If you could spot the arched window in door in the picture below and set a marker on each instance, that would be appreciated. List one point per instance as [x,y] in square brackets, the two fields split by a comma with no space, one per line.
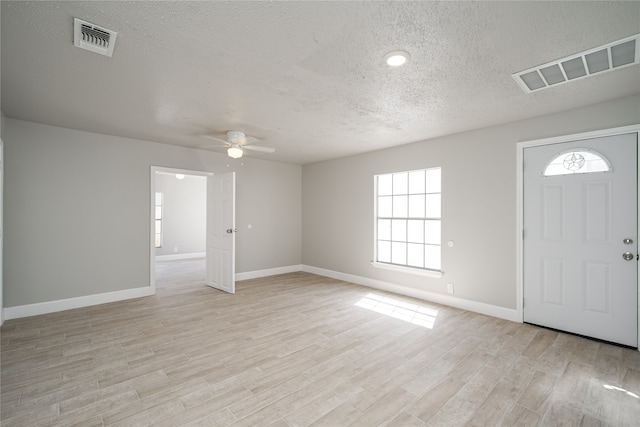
[579,160]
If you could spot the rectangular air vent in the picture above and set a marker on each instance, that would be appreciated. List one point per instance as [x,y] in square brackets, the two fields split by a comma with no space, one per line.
[91,37]
[609,57]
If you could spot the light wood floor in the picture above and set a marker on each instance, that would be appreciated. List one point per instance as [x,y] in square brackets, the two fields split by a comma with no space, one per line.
[298,350]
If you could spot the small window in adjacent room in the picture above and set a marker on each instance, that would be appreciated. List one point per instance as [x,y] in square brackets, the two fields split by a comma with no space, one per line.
[577,161]
[158,219]
[408,218]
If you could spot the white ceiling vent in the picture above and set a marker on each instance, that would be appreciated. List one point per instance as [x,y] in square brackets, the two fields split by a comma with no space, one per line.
[91,37]
[601,59]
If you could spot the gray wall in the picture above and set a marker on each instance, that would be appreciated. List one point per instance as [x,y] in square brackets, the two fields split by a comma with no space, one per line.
[77,207]
[184,222]
[77,211]
[478,208]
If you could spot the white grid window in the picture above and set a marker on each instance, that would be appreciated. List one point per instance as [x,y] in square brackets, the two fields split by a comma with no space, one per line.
[408,219]
[158,219]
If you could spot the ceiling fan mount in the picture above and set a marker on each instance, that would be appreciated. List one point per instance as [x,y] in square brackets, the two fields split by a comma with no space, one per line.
[236,142]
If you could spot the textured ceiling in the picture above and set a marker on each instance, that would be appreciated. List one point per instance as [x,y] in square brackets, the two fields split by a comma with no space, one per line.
[307,78]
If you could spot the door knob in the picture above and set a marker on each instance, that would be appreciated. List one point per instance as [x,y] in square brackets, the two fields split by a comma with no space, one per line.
[627,241]
[628,256]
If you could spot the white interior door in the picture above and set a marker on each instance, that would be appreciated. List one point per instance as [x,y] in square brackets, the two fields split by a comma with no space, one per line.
[221,229]
[577,228]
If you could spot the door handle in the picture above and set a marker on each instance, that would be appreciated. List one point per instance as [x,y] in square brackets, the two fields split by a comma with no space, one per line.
[628,256]
[232,230]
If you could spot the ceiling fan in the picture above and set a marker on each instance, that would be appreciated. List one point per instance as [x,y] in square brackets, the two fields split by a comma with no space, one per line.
[236,143]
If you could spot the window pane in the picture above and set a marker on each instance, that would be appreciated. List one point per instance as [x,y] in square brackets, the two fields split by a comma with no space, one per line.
[415,255]
[432,232]
[158,212]
[432,257]
[555,169]
[433,180]
[400,183]
[415,231]
[400,206]
[384,229]
[595,166]
[384,206]
[158,241]
[433,206]
[158,226]
[399,253]
[416,182]
[577,161]
[399,230]
[158,199]
[384,251]
[385,185]
[416,206]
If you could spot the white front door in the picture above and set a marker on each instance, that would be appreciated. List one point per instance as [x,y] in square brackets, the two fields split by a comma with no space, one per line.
[577,229]
[221,232]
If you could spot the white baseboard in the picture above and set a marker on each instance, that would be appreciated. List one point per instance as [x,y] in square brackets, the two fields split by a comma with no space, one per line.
[477,307]
[78,302]
[180,256]
[268,272]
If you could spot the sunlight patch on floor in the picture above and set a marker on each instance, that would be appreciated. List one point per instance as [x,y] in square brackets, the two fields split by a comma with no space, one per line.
[612,387]
[402,310]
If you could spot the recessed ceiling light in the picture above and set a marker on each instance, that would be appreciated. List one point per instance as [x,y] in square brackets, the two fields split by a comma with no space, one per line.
[396,58]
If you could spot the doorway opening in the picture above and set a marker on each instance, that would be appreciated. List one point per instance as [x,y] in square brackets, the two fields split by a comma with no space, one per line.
[218,208]
[179,220]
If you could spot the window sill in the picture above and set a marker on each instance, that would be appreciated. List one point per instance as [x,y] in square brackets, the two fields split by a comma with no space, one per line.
[417,271]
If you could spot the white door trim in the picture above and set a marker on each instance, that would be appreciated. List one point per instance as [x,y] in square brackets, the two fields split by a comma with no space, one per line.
[520,146]
[152,202]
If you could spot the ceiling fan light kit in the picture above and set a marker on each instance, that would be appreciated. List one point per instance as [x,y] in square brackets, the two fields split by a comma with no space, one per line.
[234,152]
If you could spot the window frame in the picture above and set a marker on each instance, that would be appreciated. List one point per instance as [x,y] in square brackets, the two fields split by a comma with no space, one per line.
[406,267]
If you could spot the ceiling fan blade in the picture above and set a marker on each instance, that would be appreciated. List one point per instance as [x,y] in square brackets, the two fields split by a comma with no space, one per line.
[210,147]
[259,148]
[215,138]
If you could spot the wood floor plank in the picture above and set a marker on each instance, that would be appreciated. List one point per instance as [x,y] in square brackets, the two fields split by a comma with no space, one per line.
[522,417]
[388,406]
[496,406]
[538,392]
[321,404]
[297,350]
[435,398]
[343,414]
[461,407]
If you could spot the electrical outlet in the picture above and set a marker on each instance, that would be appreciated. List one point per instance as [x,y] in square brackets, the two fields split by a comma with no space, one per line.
[450,288]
